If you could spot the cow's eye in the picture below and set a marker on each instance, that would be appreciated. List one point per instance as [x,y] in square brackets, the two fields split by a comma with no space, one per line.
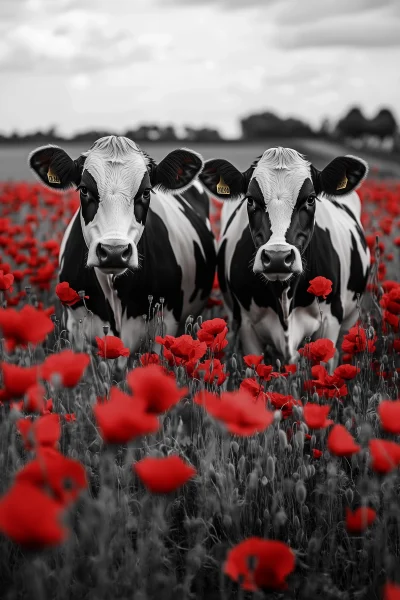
[84,191]
[146,195]
[251,203]
[311,200]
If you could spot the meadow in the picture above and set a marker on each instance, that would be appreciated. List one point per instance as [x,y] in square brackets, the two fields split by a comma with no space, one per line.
[196,473]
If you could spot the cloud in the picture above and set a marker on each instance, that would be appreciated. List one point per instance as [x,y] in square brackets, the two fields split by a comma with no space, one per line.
[74,40]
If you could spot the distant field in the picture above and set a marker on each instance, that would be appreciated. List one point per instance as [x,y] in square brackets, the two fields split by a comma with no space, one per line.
[14,166]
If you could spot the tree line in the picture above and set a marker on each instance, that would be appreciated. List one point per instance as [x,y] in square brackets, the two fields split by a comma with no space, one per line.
[353,125]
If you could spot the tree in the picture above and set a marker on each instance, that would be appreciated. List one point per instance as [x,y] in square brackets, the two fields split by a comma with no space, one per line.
[354,124]
[384,124]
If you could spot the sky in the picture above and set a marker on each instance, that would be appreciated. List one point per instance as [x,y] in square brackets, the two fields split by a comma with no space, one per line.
[113,64]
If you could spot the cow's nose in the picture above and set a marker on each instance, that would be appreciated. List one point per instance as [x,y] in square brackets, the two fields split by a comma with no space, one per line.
[278,261]
[113,256]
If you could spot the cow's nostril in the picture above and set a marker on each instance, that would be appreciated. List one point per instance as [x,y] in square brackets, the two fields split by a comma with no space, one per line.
[127,253]
[102,253]
[289,258]
[266,259]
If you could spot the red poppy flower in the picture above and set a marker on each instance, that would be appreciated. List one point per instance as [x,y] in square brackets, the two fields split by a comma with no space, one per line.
[283,402]
[389,413]
[111,346]
[183,349]
[290,368]
[158,389]
[44,431]
[355,341]
[253,360]
[341,442]
[44,276]
[123,418]
[65,477]
[68,365]
[34,398]
[70,417]
[346,371]
[149,358]
[211,371]
[273,562]
[359,520]
[317,453]
[163,475]
[67,295]
[29,517]
[6,281]
[320,286]
[391,591]
[321,350]
[264,371]
[253,387]
[385,455]
[315,416]
[391,300]
[238,411]
[17,380]
[28,325]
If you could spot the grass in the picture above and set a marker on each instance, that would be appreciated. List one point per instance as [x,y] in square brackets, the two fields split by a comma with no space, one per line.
[128,543]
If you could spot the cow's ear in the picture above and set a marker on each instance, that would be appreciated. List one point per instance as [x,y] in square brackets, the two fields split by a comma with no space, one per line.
[223,180]
[55,168]
[343,175]
[176,171]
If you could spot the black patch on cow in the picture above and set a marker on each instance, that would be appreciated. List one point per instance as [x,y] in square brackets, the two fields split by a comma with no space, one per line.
[320,258]
[89,197]
[199,201]
[79,277]
[141,201]
[301,226]
[357,279]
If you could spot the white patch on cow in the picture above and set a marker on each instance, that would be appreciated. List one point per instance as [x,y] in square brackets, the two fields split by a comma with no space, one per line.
[117,165]
[82,326]
[280,173]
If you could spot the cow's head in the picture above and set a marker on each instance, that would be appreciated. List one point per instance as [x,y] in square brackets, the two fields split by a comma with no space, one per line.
[282,188]
[115,179]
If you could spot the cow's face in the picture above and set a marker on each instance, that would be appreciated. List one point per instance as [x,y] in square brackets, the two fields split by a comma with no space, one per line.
[115,180]
[281,190]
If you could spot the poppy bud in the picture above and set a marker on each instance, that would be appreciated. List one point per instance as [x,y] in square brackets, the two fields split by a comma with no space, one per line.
[242,465]
[231,470]
[301,492]
[235,447]
[270,468]
[234,362]
[253,481]
[280,518]
[349,495]
[264,480]
[282,439]
[296,522]
[278,416]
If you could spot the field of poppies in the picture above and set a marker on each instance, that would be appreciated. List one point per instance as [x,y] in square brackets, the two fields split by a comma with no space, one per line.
[198,472]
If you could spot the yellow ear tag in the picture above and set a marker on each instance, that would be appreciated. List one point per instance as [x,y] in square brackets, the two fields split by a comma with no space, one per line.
[52,177]
[222,188]
[342,184]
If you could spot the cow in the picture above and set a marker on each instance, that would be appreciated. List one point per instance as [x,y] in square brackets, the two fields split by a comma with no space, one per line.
[286,223]
[140,245]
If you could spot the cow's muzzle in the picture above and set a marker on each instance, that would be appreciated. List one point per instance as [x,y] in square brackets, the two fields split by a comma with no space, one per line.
[278,262]
[113,257]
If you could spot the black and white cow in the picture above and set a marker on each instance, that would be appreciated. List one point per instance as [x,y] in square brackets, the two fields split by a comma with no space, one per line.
[142,230]
[286,224]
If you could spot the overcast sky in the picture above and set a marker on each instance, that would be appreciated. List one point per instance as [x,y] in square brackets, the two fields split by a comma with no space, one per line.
[81,64]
